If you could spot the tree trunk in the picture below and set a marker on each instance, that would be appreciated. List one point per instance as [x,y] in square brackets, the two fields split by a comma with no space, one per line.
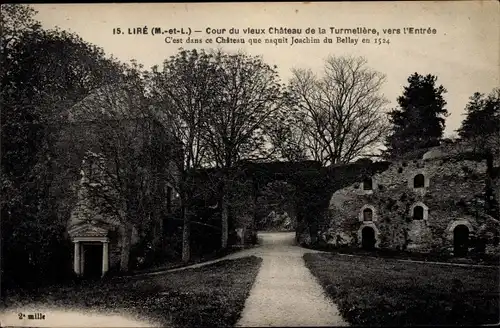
[126,246]
[225,220]
[406,239]
[491,203]
[186,233]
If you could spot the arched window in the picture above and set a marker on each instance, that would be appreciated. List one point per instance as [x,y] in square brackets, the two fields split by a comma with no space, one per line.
[418,213]
[367,184]
[419,181]
[367,214]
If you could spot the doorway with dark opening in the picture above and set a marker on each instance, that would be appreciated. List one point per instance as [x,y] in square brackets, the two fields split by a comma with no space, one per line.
[368,238]
[460,240]
[92,264]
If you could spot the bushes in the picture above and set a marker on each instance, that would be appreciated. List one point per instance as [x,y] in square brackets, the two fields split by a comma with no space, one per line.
[204,240]
[26,267]
[435,255]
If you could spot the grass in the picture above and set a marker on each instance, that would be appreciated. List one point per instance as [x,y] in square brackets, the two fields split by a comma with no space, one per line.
[386,292]
[213,295]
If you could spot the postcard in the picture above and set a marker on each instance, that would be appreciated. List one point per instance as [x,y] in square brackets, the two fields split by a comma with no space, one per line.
[250,164]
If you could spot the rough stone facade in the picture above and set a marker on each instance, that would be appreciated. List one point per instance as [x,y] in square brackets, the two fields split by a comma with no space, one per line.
[416,205]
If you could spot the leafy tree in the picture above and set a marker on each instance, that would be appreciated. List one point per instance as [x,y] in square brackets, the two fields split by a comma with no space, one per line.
[481,129]
[16,19]
[43,74]
[340,114]
[482,122]
[420,119]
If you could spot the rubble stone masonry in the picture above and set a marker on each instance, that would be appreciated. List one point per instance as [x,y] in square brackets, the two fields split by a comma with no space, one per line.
[419,219]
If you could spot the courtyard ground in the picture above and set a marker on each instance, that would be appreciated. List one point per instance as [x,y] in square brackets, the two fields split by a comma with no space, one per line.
[285,293]
[275,284]
[211,295]
[387,292]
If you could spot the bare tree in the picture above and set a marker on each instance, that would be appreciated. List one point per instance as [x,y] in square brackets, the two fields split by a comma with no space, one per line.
[342,111]
[182,94]
[288,138]
[248,99]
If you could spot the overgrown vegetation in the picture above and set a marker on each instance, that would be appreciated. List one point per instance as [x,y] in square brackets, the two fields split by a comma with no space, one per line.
[383,292]
[43,74]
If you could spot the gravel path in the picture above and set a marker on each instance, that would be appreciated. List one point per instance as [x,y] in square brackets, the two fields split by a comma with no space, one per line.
[285,293]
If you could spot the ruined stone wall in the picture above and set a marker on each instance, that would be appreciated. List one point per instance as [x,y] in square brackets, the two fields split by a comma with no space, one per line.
[451,196]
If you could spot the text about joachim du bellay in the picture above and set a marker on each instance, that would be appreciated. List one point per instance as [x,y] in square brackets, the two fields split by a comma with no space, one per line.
[275,35]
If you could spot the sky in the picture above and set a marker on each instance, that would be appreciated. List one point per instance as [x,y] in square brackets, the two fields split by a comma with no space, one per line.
[464,52]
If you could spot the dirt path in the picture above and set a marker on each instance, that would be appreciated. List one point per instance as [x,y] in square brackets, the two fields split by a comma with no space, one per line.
[285,293]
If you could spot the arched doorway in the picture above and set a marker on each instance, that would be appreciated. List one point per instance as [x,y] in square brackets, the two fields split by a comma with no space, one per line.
[368,238]
[460,240]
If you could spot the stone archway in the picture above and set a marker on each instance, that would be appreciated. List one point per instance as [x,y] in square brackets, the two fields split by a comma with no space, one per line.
[460,240]
[368,238]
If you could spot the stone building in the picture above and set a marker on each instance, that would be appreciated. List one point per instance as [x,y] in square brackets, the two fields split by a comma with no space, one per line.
[430,202]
